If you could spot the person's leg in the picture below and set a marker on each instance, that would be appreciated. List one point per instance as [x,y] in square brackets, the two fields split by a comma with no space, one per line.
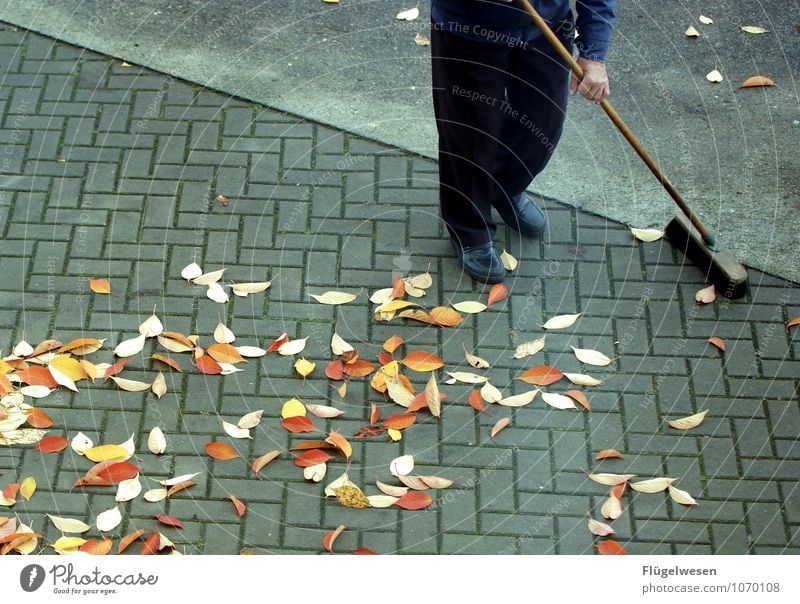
[469,79]
[538,94]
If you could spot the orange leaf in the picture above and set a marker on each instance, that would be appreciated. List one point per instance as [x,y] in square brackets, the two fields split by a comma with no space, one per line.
[115,369]
[579,397]
[718,342]
[128,539]
[793,323]
[475,401]
[498,292]
[298,423]
[363,551]
[5,385]
[118,471]
[311,458]
[608,454]
[446,316]
[225,353]
[335,370]
[541,375]
[304,445]
[399,288]
[150,546]
[100,286]
[400,422]
[609,547]
[96,548]
[205,364]
[168,520]
[414,500]
[219,450]
[51,444]
[39,419]
[180,486]
[375,415]
[10,492]
[359,368]
[330,538]
[263,460]
[167,361]
[240,507]
[420,360]
[392,344]
[384,358]
[618,490]
[757,81]
[37,376]
[81,346]
[340,442]
[500,425]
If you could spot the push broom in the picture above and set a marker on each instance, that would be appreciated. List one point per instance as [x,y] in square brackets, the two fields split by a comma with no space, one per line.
[685,232]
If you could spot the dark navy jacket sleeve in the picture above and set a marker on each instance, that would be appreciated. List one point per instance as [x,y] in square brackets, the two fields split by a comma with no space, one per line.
[594,22]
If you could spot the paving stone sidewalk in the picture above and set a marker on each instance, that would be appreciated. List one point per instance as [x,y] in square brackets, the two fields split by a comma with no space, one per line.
[111,171]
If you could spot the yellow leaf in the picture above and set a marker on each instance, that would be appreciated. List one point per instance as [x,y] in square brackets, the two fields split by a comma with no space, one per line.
[395,435]
[100,286]
[68,367]
[304,367]
[687,423]
[28,487]
[293,408]
[105,453]
[68,543]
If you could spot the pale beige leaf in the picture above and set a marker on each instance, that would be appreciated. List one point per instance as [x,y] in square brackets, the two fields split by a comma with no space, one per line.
[706,295]
[129,447]
[130,347]
[62,379]
[647,235]
[324,411]
[130,385]
[35,391]
[22,349]
[475,361]
[223,335]
[527,349]
[128,489]
[338,345]
[402,466]
[69,525]
[151,327]
[591,357]
[412,291]
[80,443]
[250,420]
[561,321]
[437,482]
[245,289]
[490,393]
[682,497]
[191,271]
[235,431]
[155,495]
[601,529]
[612,508]
[292,347]
[753,29]
[500,425]
[519,400]
[182,478]
[421,39]
[26,547]
[466,377]
[610,480]
[333,297]
[174,345]
[251,352]
[470,307]
[156,441]
[208,278]
[691,32]
[108,520]
[581,379]
[705,20]
[159,386]
[408,15]
[714,76]
[217,294]
[432,396]
[420,281]
[509,262]
[381,296]
[653,485]
[228,368]
[398,393]
[315,473]
[381,501]
[687,423]
[558,401]
[390,489]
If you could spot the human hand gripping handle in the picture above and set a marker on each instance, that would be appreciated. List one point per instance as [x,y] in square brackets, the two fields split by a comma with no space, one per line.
[593,86]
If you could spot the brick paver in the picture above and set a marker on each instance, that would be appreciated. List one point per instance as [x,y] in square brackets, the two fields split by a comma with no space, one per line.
[111,171]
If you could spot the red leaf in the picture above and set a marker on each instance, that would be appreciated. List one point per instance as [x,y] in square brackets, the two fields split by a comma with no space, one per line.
[280,341]
[150,546]
[298,423]
[168,520]
[39,419]
[37,376]
[375,415]
[359,368]
[51,444]
[476,401]
[115,369]
[205,364]
[363,551]
[398,289]
[414,500]
[498,292]
[401,421]
[609,547]
[311,458]
[118,471]
[335,370]
[222,451]
[241,508]
[384,358]
[329,539]
[541,375]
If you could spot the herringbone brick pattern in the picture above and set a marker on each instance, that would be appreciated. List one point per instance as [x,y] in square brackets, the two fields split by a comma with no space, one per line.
[112,171]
